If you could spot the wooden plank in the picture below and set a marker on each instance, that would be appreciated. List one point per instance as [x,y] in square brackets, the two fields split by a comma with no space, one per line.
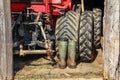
[111,39]
[2,41]
[6,65]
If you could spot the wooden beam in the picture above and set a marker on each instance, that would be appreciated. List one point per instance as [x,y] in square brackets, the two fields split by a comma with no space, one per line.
[6,59]
[111,48]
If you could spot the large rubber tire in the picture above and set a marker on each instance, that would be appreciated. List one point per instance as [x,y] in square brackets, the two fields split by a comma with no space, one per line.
[67,27]
[60,30]
[97,14]
[86,37]
[72,23]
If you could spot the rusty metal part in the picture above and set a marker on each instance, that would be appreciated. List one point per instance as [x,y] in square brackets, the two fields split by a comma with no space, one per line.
[46,44]
[82,4]
[50,50]
[24,52]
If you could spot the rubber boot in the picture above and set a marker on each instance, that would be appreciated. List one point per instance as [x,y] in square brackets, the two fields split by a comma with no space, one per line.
[62,50]
[71,54]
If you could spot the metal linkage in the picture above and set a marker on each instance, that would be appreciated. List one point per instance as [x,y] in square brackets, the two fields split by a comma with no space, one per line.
[49,52]
[46,44]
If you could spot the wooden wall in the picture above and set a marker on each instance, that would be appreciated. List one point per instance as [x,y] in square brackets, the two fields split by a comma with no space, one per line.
[6,65]
[111,50]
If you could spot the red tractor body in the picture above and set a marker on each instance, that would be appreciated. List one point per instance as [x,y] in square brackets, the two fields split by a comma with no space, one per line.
[34,23]
[44,6]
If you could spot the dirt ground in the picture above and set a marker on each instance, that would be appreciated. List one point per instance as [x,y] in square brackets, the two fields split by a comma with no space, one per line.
[37,67]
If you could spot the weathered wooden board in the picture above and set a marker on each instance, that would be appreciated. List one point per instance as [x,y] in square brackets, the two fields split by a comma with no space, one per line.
[111,51]
[6,65]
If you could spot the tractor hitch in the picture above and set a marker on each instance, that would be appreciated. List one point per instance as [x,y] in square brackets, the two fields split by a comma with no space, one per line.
[23,52]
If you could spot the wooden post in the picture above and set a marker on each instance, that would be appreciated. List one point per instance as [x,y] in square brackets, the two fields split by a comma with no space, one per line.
[6,59]
[111,48]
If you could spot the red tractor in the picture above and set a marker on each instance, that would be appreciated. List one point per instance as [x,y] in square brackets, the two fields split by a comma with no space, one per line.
[70,29]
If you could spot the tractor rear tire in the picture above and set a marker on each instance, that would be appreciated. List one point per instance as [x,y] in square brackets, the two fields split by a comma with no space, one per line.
[86,37]
[66,30]
[60,36]
[60,28]
[72,24]
[97,14]
[67,27]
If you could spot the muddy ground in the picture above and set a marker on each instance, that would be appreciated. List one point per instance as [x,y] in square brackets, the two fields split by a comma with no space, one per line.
[37,67]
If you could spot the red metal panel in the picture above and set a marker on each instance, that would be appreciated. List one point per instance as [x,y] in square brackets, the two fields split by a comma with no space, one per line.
[65,4]
[38,8]
[62,4]
[18,7]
